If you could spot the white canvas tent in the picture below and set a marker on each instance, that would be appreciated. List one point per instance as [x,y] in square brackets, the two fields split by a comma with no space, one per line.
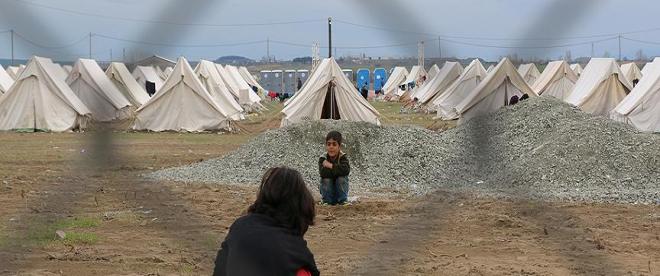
[315,101]
[250,79]
[63,74]
[13,71]
[246,94]
[641,108]
[67,68]
[416,75]
[229,82]
[490,68]
[557,80]
[437,85]
[601,87]
[144,74]
[210,78]
[97,92]
[160,73]
[529,72]
[396,78]
[494,92]
[646,68]
[127,85]
[5,81]
[433,71]
[632,72]
[39,100]
[577,69]
[469,79]
[248,100]
[167,72]
[182,104]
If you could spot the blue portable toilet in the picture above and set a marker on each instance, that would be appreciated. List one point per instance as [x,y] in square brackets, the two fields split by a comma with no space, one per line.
[290,82]
[303,75]
[266,79]
[380,78]
[363,77]
[276,81]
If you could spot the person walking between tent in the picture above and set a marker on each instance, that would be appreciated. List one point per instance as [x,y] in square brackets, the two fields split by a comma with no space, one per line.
[364,90]
[299,84]
[334,169]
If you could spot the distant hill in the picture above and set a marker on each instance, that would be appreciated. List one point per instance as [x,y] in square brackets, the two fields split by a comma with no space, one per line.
[305,60]
[7,62]
[237,60]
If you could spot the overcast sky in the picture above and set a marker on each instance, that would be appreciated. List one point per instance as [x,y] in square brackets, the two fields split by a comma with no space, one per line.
[496,23]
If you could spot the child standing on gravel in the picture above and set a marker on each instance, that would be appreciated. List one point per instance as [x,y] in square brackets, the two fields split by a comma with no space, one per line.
[334,169]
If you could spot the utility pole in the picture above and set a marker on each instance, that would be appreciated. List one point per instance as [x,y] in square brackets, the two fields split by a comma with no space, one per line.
[12,47]
[439,47]
[316,56]
[123,55]
[268,49]
[420,54]
[110,54]
[90,45]
[329,37]
[619,47]
[592,49]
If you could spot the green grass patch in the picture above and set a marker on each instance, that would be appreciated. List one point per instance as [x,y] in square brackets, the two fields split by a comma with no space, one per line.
[3,239]
[78,223]
[80,238]
[42,233]
[186,269]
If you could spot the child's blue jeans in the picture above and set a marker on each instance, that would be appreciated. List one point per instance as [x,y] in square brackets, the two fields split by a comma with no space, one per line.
[334,191]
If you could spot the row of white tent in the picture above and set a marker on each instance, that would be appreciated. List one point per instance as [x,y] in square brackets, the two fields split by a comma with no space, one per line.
[44,96]
[601,88]
[201,99]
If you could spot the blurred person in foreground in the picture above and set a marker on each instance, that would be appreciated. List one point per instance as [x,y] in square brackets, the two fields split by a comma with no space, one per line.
[269,239]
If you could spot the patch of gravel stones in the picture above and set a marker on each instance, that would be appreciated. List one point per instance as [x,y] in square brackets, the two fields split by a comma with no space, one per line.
[540,149]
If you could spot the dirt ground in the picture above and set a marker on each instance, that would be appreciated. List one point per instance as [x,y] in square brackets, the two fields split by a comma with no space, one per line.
[116,223]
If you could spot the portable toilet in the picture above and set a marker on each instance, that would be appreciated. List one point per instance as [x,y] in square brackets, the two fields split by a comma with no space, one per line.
[303,75]
[380,78]
[363,78]
[290,82]
[266,77]
[277,81]
[348,73]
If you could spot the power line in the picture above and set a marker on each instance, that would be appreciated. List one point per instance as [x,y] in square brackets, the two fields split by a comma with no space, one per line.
[95,15]
[344,47]
[496,38]
[305,45]
[180,45]
[383,28]
[641,41]
[49,47]
[528,47]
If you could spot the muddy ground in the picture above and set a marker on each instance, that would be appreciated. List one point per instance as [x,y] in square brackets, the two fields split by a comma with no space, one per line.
[116,223]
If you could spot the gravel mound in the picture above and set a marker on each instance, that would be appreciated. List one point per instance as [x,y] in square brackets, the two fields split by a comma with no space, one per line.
[539,149]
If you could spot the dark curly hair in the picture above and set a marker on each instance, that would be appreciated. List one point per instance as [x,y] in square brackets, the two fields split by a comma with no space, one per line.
[334,135]
[283,195]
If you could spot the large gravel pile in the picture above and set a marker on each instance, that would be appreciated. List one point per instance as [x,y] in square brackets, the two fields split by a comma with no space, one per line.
[538,149]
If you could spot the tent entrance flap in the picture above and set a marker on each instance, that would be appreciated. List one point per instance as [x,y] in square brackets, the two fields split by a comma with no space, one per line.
[150,87]
[330,109]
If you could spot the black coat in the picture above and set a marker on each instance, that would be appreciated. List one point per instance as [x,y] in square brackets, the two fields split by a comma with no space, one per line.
[258,245]
[340,166]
